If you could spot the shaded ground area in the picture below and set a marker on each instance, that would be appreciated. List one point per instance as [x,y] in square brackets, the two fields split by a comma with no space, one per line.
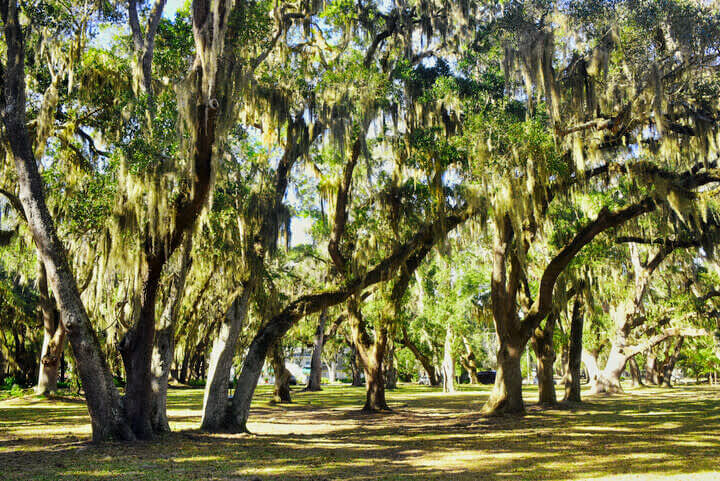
[645,434]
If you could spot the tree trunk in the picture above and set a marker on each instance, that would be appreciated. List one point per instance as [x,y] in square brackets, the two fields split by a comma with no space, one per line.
[608,381]
[53,338]
[669,365]
[315,377]
[543,345]
[356,367]
[651,373]
[424,360]
[506,396]
[332,370]
[104,405]
[281,391]
[448,365]
[635,372]
[375,387]
[164,346]
[470,362]
[215,399]
[136,348]
[572,383]
[391,373]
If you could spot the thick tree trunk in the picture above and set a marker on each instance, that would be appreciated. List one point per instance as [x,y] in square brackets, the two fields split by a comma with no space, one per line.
[332,370]
[634,372]
[572,382]
[136,348]
[103,401]
[215,400]
[53,338]
[281,391]
[608,380]
[543,345]
[448,365]
[375,386]
[315,377]
[164,347]
[506,396]
[671,360]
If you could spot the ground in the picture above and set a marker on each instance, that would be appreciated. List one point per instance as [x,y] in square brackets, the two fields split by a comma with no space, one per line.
[645,434]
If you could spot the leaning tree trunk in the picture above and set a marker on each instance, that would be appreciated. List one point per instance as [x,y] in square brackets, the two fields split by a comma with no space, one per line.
[164,347]
[506,396]
[448,365]
[572,382]
[215,400]
[103,401]
[53,338]
[281,391]
[470,362]
[315,377]
[424,360]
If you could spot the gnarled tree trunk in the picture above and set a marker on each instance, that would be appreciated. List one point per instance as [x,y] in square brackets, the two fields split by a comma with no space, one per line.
[215,398]
[424,360]
[543,345]
[281,391]
[506,396]
[634,372]
[391,373]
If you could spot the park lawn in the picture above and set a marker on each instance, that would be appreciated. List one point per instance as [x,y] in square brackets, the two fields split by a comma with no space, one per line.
[645,434]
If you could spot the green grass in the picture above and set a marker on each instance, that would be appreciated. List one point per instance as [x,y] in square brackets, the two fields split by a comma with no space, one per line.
[654,434]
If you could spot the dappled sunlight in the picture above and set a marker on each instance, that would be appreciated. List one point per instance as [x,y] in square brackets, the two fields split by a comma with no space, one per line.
[644,434]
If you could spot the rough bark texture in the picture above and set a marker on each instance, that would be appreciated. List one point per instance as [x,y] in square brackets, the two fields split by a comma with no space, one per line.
[543,345]
[506,396]
[356,367]
[103,401]
[164,347]
[215,399]
[391,372]
[281,391]
[470,362]
[572,382]
[315,377]
[371,352]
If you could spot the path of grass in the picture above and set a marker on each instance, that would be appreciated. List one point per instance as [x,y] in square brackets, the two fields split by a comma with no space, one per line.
[653,434]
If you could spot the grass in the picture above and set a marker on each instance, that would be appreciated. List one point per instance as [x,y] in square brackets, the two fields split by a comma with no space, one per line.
[645,434]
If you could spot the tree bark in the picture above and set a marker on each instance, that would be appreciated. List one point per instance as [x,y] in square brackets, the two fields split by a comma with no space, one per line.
[281,391]
[53,338]
[572,382]
[448,365]
[506,396]
[356,367]
[424,360]
[634,372]
[164,346]
[391,373]
[215,399]
[651,373]
[543,345]
[470,362]
[103,401]
[315,377]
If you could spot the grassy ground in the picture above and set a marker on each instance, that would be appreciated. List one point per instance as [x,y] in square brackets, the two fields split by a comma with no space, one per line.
[653,434]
